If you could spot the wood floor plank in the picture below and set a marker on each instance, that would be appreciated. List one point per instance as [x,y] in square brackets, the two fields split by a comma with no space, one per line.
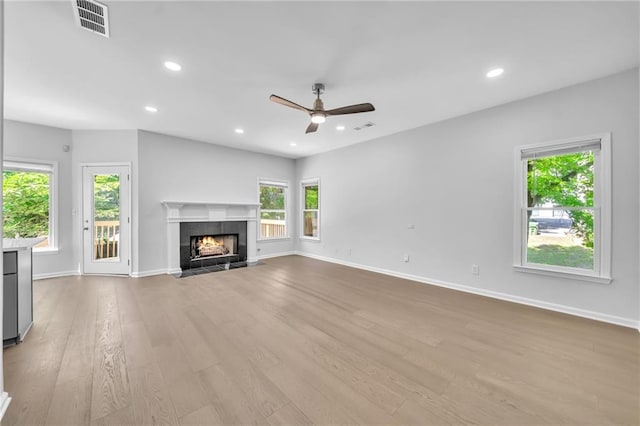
[110,391]
[121,417]
[71,402]
[206,415]
[150,395]
[288,415]
[187,394]
[260,392]
[137,347]
[315,405]
[228,399]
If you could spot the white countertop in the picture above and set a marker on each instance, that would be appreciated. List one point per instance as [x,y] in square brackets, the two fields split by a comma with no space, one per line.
[10,244]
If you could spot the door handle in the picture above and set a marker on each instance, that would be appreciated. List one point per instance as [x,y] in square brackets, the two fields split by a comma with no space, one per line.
[86,229]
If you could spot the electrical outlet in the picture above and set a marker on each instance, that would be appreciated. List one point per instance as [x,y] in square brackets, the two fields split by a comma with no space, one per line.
[475,270]
[406,257]
[411,226]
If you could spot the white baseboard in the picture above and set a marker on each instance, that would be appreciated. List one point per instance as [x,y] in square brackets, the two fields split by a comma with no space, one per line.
[612,319]
[143,274]
[272,255]
[4,403]
[56,275]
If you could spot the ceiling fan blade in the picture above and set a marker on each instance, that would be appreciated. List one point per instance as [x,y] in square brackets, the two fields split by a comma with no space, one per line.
[285,102]
[351,109]
[312,128]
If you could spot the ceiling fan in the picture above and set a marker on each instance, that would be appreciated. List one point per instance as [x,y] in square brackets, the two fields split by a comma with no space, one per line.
[318,113]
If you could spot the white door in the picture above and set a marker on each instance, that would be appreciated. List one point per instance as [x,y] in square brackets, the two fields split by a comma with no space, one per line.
[105,219]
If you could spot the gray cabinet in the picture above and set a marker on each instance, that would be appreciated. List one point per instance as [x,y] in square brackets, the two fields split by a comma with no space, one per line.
[17,295]
[10,297]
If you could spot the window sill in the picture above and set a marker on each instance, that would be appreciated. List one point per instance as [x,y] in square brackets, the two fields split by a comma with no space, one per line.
[317,239]
[563,274]
[46,251]
[275,239]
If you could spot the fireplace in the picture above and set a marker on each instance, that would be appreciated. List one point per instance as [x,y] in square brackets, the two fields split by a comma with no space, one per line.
[205,244]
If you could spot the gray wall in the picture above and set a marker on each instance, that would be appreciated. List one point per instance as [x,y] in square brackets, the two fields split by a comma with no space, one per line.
[454,181]
[175,169]
[32,141]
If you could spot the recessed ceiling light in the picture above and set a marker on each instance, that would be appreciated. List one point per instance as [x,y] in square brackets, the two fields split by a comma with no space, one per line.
[239,131]
[292,144]
[150,108]
[340,128]
[173,66]
[495,72]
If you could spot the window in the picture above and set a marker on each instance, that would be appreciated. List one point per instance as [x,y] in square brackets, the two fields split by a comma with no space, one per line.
[273,209]
[563,220]
[311,209]
[28,201]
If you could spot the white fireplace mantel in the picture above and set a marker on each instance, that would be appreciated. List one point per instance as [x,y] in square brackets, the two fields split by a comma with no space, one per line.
[198,211]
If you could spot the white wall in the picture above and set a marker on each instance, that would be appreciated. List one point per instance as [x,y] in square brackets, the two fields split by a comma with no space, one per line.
[32,141]
[175,169]
[4,398]
[454,181]
[104,146]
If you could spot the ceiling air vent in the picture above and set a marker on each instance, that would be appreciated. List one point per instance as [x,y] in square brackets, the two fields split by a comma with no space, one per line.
[364,126]
[92,16]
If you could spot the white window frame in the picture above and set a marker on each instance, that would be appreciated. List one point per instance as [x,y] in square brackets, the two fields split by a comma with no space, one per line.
[280,184]
[303,184]
[51,167]
[602,210]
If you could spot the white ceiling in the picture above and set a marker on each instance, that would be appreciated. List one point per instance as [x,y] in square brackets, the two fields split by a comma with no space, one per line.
[417,62]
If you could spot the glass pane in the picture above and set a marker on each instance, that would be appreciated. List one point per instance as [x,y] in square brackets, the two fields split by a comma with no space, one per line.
[272,197]
[310,224]
[26,205]
[273,224]
[561,238]
[272,213]
[311,197]
[561,180]
[106,216]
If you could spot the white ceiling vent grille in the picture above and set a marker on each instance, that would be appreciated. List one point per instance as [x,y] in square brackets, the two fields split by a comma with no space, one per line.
[364,126]
[92,16]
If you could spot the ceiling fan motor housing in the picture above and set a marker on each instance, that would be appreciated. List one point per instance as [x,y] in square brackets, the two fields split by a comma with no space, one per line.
[317,89]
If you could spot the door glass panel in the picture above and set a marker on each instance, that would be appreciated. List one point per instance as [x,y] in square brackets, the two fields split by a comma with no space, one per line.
[106,216]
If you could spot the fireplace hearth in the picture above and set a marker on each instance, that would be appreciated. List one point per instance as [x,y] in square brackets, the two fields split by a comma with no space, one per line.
[210,244]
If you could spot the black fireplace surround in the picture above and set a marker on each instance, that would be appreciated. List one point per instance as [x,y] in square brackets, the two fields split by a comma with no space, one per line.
[190,231]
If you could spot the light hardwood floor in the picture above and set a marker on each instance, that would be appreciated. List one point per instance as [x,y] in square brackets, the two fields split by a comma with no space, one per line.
[298,341]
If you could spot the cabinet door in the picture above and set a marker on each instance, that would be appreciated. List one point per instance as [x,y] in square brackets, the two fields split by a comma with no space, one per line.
[10,316]
[10,262]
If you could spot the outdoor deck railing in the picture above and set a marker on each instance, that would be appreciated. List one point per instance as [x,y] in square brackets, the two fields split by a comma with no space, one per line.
[106,235]
[270,228]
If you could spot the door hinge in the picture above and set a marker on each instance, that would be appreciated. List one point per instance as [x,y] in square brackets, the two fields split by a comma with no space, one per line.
[128,220]
[128,262]
[127,177]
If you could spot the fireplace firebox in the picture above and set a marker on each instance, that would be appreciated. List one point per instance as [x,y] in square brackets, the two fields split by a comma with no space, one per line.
[213,245]
[204,244]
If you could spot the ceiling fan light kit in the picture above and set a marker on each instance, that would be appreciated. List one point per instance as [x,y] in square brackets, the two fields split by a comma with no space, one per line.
[318,114]
[318,118]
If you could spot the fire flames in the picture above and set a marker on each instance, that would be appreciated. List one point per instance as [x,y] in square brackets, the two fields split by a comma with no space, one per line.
[210,246]
[206,242]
